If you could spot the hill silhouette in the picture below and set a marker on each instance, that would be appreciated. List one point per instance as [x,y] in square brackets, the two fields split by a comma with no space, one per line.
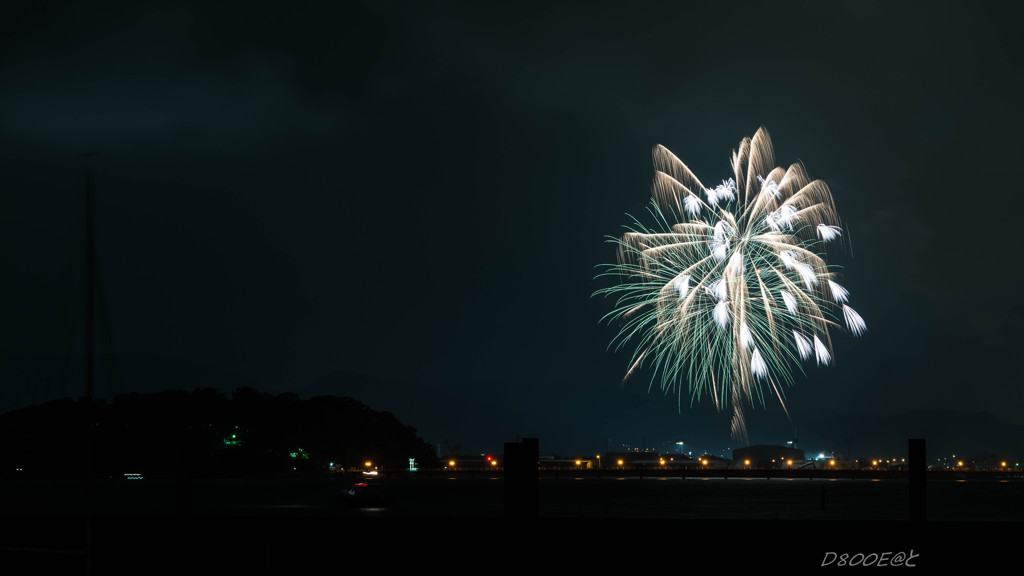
[249,434]
[439,414]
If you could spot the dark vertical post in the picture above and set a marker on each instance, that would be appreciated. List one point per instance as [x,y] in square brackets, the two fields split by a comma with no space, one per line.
[90,345]
[90,279]
[522,492]
[513,455]
[918,495]
[513,478]
[183,481]
[531,483]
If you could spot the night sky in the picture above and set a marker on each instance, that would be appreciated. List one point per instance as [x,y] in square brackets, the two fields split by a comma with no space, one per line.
[420,193]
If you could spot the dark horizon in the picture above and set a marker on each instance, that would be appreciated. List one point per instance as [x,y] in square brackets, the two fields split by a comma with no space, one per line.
[947,433]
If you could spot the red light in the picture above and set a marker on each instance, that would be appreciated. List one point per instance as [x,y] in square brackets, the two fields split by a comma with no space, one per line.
[488,458]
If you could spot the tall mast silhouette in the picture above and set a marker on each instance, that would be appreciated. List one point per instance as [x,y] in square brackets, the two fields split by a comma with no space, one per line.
[90,343]
[90,277]
[96,317]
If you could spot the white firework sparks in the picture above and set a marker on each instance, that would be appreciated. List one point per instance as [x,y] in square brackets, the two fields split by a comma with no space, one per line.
[853,321]
[829,233]
[839,294]
[803,345]
[701,295]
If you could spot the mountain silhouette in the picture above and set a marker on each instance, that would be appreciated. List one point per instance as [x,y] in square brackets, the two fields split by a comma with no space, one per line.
[440,416]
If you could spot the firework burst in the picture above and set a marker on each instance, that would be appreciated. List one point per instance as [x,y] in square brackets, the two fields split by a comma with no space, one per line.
[730,291]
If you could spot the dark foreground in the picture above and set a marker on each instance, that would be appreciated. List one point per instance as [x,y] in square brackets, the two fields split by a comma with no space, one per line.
[133,526]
